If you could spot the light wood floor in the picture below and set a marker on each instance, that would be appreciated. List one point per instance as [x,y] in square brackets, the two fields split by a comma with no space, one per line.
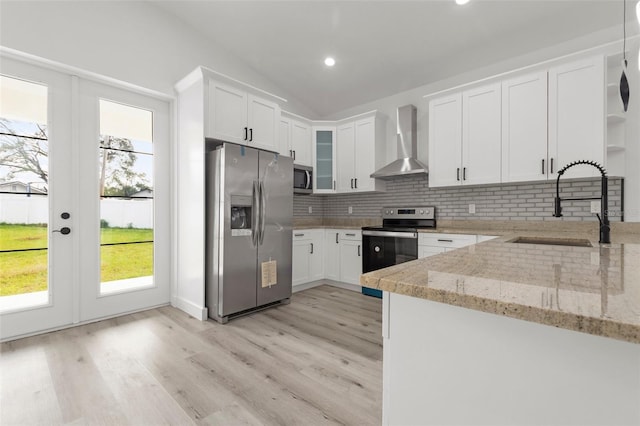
[315,361]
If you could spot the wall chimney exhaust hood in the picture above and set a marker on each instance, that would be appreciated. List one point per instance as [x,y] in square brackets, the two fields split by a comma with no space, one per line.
[406,164]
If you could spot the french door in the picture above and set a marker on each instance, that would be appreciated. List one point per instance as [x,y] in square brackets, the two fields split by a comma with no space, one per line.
[84,200]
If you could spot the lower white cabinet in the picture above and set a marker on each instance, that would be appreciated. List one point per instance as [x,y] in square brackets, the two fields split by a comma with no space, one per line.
[307,257]
[431,244]
[351,257]
[333,254]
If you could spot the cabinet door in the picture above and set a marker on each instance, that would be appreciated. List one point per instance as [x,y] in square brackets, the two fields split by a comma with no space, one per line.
[264,123]
[350,261]
[324,159]
[301,143]
[301,260]
[316,271]
[445,141]
[365,154]
[345,157]
[284,135]
[227,113]
[426,251]
[332,254]
[481,135]
[524,128]
[576,116]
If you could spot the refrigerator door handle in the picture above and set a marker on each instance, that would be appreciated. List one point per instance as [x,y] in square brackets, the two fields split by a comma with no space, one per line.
[263,211]
[255,208]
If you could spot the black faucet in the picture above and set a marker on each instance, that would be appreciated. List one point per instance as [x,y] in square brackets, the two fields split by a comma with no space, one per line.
[603,217]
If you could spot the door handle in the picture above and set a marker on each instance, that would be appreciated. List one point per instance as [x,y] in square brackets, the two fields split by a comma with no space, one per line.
[294,155]
[336,238]
[255,213]
[464,173]
[356,182]
[308,185]
[351,183]
[458,173]
[246,129]
[311,248]
[543,166]
[552,165]
[290,153]
[250,135]
[358,250]
[64,231]
[263,211]
[65,215]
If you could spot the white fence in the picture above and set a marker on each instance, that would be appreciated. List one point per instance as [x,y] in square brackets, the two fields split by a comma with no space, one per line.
[35,209]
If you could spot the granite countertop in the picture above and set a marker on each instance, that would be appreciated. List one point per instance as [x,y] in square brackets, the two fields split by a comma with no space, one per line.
[594,290]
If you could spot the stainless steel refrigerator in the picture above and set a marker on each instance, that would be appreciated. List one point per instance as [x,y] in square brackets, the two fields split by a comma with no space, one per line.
[249,213]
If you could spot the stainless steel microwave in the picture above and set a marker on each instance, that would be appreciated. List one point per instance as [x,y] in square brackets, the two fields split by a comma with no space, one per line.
[302,179]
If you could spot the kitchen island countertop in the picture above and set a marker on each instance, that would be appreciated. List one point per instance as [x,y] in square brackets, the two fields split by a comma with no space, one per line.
[593,290]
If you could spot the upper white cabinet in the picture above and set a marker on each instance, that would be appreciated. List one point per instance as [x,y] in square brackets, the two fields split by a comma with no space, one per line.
[524,128]
[465,138]
[360,152]
[324,159]
[295,138]
[577,116]
[241,117]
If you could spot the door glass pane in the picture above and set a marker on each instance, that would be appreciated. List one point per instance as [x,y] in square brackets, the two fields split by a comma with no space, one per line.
[126,197]
[324,159]
[24,181]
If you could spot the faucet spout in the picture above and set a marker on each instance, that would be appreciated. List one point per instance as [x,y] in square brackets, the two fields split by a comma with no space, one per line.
[603,217]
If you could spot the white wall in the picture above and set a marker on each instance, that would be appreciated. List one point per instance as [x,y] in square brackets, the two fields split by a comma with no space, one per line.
[133,41]
[388,106]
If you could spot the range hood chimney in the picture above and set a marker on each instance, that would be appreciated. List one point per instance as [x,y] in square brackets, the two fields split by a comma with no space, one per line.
[406,164]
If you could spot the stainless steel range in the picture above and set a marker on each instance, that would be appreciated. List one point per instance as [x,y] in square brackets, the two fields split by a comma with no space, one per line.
[396,241]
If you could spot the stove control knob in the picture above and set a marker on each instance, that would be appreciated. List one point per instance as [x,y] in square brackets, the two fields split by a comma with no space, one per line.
[391,212]
[421,211]
[376,249]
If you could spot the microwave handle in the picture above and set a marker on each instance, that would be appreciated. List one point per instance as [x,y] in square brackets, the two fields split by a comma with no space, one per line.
[308,184]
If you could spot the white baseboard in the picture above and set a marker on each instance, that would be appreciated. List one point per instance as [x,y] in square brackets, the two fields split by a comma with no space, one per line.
[198,312]
[306,286]
[346,286]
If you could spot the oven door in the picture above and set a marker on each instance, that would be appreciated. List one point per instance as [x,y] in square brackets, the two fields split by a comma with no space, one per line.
[383,248]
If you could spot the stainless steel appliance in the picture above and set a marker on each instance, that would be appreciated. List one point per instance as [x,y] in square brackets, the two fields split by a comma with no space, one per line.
[249,225]
[407,140]
[302,179]
[396,241]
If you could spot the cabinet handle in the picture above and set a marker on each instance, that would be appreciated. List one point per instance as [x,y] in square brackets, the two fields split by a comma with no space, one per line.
[551,165]
[334,184]
[250,135]
[290,153]
[464,173]
[458,173]
[350,235]
[246,134]
[311,248]
[543,166]
[298,235]
[445,241]
[358,250]
[336,238]
[351,183]
[294,154]
[356,182]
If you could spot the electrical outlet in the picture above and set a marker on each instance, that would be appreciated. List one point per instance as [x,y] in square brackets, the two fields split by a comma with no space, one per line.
[350,210]
[310,209]
[472,209]
[595,206]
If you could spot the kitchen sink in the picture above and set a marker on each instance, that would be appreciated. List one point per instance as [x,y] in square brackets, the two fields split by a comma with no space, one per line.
[574,242]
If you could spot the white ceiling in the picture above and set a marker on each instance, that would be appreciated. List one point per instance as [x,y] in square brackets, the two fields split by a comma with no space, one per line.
[384,47]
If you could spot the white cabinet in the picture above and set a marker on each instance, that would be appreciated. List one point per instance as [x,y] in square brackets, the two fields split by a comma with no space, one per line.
[360,151]
[332,254]
[307,258]
[465,138]
[324,155]
[577,116]
[241,117]
[351,257]
[430,244]
[524,128]
[295,138]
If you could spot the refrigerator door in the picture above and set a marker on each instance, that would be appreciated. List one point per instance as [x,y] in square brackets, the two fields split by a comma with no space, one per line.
[238,207]
[276,221]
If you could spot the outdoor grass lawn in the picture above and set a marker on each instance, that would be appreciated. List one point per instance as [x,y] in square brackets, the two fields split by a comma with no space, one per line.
[26,271]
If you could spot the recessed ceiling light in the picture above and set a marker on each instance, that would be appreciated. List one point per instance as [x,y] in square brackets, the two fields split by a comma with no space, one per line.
[329,61]
[461,2]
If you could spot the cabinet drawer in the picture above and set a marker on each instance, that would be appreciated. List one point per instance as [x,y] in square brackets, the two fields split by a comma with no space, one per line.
[352,235]
[446,240]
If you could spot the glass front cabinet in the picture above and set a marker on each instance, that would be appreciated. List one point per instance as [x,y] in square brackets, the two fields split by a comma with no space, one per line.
[324,154]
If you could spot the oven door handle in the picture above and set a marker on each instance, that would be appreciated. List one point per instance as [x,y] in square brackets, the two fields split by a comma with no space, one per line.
[411,235]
